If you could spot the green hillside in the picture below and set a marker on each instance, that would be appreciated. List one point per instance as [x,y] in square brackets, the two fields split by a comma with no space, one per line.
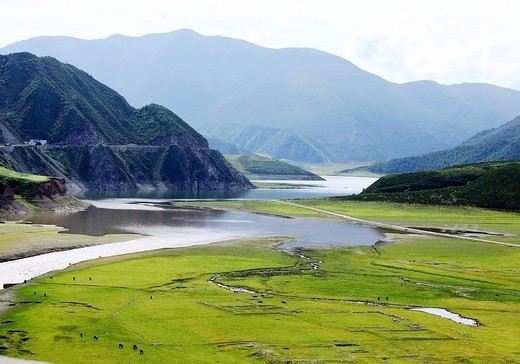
[491,185]
[259,167]
[47,99]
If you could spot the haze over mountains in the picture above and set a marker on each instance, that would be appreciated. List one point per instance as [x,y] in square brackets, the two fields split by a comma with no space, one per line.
[300,104]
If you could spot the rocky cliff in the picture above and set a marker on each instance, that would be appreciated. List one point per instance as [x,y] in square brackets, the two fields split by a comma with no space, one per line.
[20,194]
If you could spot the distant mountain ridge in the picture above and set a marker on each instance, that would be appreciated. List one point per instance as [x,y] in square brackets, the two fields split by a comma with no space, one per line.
[498,144]
[319,101]
[96,139]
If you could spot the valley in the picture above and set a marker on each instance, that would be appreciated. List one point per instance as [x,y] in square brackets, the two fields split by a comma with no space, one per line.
[238,196]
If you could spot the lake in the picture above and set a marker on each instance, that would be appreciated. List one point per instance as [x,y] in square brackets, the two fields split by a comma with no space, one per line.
[331,186]
[166,226]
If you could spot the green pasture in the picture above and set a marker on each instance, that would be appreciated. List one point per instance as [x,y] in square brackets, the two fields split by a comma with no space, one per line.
[164,303]
[504,222]
[423,215]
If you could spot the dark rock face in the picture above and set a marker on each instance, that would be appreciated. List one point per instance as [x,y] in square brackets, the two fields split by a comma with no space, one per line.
[52,188]
[127,168]
[6,192]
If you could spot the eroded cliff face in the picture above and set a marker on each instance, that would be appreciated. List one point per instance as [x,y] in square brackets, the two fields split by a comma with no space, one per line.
[8,203]
[128,167]
[51,195]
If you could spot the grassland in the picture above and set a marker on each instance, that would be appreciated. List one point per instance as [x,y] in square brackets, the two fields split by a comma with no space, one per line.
[165,303]
[6,173]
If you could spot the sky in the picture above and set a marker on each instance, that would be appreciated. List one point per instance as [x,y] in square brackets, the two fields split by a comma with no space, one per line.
[448,42]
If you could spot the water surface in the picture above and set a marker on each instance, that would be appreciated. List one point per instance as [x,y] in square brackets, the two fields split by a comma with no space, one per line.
[331,186]
[165,226]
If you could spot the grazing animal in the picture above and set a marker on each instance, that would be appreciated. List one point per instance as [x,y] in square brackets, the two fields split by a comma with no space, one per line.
[81,335]
[35,293]
[89,278]
[135,347]
[141,352]
[151,297]
[44,294]
[379,298]
[96,338]
[387,298]
[73,278]
[120,346]
[260,301]
[284,302]
[25,281]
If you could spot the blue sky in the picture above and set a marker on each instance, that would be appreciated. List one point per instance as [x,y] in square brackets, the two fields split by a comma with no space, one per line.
[400,40]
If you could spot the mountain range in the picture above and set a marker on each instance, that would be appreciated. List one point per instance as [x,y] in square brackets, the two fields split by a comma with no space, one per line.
[88,133]
[295,103]
[497,144]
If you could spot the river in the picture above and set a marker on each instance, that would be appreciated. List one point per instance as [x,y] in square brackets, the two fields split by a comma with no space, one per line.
[164,226]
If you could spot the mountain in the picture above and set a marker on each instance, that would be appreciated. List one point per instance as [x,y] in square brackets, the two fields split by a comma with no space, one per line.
[278,143]
[307,98]
[498,144]
[491,185]
[95,139]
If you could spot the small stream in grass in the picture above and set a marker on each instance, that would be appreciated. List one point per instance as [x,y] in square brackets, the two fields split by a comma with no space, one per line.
[441,312]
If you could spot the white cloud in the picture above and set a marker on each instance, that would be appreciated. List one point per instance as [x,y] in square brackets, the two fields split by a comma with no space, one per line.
[400,40]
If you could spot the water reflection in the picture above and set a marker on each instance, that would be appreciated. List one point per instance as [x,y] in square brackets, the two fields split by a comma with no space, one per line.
[331,186]
[162,222]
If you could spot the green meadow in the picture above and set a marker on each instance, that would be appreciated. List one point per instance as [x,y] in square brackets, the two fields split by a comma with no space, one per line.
[355,307]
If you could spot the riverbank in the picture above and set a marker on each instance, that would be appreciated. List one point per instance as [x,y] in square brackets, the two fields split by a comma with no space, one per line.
[20,239]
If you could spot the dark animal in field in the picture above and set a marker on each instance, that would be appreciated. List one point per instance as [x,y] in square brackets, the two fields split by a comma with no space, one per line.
[260,301]
[120,346]
[387,298]
[89,278]
[96,338]
[379,298]
[35,293]
[73,278]
[81,335]
[141,352]
[45,294]
[284,302]
[135,347]
[151,297]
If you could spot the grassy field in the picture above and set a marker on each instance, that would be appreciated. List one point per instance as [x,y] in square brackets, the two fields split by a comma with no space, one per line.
[392,213]
[10,174]
[354,308]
